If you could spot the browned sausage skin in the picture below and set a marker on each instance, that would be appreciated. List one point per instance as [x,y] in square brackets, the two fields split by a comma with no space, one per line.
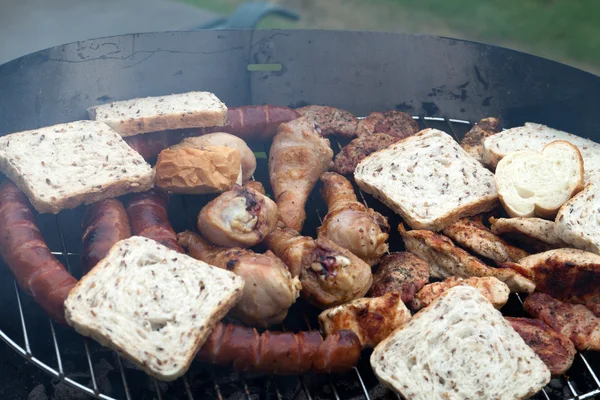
[28,257]
[147,214]
[251,123]
[104,224]
[280,353]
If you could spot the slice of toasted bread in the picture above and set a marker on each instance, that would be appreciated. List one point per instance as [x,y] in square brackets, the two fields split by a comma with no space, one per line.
[534,137]
[459,347]
[151,304]
[429,180]
[578,220]
[151,114]
[532,183]
[66,165]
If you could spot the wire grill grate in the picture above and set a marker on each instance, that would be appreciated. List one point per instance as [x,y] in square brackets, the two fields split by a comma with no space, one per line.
[360,378]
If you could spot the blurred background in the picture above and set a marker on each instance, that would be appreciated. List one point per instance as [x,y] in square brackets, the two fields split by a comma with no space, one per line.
[563,30]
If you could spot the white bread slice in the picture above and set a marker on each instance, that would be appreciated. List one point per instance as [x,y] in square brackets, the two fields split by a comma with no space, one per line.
[151,114]
[578,220]
[429,180]
[66,165]
[533,136]
[532,183]
[459,347]
[151,304]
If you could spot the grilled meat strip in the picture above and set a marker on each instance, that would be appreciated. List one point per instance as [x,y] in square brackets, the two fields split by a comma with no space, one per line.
[402,272]
[555,349]
[536,234]
[473,140]
[394,123]
[572,320]
[331,120]
[446,259]
[569,275]
[371,319]
[354,152]
[491,288]
[471,234]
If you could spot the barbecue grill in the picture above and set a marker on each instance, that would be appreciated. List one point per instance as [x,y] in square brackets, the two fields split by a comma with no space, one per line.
[444,83]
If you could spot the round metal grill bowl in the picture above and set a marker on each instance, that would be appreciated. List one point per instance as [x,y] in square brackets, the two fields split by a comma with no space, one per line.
[444,83]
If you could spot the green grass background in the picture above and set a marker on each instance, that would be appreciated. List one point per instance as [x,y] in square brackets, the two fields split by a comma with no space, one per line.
[563,30]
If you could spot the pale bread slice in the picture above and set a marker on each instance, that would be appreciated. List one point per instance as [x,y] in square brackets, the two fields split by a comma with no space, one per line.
[429,180]
[578,220]
[534,136]
[160,113]
[459,347]
[66,165]
[151,304]
[532,183]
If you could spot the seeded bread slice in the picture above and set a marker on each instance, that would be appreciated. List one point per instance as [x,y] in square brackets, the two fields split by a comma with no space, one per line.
[459,347]
[429,180]
[151,304]
[535,137]
[578,220]
[151,114]
[66,165]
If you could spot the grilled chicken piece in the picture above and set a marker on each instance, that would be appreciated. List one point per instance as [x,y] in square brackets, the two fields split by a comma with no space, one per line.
[239,217]
[536,234]
[330,275]
[332,121]
[354,152]
[298,156]
[270,289]
[473,140]
[256,186]
[491,288]
[371,319]
[394,123]
[572,320]
[569,275]
[471,234]
[553,348]
[401,272]
[349,223]
[445,259]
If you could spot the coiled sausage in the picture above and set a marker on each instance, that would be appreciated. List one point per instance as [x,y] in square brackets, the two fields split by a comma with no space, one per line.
[28,257]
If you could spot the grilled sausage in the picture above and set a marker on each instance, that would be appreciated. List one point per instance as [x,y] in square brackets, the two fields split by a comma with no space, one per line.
[251,123]
[259,123]
[147,213]
[104,224]
[280,353]
[150,144]
[28,257]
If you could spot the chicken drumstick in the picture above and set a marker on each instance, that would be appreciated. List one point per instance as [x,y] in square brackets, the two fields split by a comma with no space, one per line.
[270,289]
[241,217]
[330,275]
[349,223]
[297,158]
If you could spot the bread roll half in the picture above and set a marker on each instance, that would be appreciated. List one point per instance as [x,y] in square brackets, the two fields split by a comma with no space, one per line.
[532,183]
